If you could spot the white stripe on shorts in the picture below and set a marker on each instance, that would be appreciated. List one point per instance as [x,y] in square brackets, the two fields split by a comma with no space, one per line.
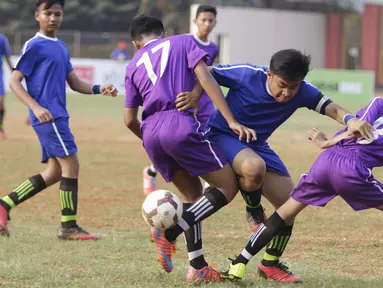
[60,139]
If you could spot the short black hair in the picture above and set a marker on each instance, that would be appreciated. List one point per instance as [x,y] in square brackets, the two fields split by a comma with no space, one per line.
[144,25]
[206,8]
[49,3]
[290,64]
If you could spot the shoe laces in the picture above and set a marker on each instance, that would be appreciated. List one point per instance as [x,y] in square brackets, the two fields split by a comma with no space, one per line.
[284,267]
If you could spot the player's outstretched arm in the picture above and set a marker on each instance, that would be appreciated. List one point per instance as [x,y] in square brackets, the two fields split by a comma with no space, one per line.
[344,117]
[76,84]
[215,93]
[15,84]
[320,138]
[132,122]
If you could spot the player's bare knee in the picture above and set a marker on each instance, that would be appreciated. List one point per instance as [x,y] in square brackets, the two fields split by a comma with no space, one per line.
[70,166]
[254,172]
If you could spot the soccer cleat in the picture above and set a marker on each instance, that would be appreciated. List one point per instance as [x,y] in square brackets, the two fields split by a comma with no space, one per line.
[278,273]
[174,244]
[149,181]
[207,273]
[3,222]
[2,135]
[235,272]
[255,217]
[165,249]
[75,233]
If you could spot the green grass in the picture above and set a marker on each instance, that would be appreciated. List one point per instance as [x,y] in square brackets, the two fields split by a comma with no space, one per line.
[330,247]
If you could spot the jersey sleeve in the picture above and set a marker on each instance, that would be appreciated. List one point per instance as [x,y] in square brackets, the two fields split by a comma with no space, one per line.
[69,67]
[194,53]
[373,111]
[29,58]
[313,98]
[132,96]
[229,76]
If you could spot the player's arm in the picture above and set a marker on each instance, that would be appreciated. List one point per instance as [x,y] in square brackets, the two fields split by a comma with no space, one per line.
[76,84]
[215,93]
[17,88]
[320,138]
[132,122]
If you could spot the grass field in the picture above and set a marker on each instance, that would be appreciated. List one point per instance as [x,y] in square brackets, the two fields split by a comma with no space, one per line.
[330,247]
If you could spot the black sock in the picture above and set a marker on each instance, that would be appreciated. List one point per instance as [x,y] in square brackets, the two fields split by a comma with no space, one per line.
[193,238]
[209,203]
[252,198]
[24,191]
[261,238]
[277,246]
[2,112]
[68,199]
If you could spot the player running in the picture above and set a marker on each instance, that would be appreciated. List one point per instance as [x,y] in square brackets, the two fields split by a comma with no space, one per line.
[45,65]
[344,169]
[160,69]
[206,19]
[263,99]
[6,52]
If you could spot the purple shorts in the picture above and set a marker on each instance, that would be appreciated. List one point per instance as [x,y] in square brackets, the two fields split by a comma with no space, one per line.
[205,110]
[339,172]
[173,142]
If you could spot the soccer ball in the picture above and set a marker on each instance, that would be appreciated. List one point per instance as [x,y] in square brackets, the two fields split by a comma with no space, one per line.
[162,209]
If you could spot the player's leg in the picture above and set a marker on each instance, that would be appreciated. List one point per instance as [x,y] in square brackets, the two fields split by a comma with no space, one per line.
[2,111]
[149,179]
[28,189]
[380,208]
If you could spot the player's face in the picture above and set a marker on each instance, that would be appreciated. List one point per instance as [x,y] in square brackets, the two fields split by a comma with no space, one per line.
[50,19]
[282,90]
[205,22]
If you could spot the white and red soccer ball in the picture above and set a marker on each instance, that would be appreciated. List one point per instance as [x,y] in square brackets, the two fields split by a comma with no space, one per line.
[162,209]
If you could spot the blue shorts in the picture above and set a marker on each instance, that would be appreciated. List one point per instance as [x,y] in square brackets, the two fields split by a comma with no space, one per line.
[231,146]
[56,139]
[2,88]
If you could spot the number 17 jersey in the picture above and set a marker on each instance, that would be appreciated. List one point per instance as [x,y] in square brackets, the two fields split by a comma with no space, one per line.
[159,71]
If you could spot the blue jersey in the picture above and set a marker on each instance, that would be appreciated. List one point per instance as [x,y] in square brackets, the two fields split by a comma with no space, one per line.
[251,102]
[45,64]
[4,49]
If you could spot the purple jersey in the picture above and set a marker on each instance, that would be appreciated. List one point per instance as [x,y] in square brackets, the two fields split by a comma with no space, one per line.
[159,71]
[370,151]
[209,47]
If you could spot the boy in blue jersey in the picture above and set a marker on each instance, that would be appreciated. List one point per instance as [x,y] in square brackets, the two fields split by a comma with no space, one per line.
[45,64]
[6,52]
[264,98]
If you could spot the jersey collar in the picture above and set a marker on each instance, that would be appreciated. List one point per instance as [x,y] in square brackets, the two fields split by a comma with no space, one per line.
[147,43]
[46,37]
[268,89]
[200,41]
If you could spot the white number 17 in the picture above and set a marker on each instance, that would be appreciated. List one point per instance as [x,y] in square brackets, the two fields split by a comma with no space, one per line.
[145,59]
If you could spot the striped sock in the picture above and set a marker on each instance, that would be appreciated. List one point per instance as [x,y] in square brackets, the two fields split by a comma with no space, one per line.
[68,199]
[209,203]
[24,191]
[277,246]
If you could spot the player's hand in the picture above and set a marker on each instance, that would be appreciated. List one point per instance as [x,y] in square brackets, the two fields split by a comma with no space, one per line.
[243,132]
[355,126]
[318,137]
[108,90]
[187,100]
[42,114]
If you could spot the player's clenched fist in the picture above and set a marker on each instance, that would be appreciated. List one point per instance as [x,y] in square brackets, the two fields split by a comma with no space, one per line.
[42,114]
[243,132]
[108,90]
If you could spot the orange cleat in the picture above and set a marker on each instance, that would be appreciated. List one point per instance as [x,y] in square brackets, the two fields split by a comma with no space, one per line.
[3,222]
[75,233]
[165,249]
[207,274]
[279,273]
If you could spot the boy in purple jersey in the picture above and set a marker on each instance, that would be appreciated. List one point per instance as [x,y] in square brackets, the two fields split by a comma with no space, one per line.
[344,169]
[205,20]
[161,69]
[6,52]
[45,65]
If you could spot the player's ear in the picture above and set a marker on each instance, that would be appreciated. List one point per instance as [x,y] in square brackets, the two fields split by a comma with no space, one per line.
[268,72]
[195,21]
[37,14]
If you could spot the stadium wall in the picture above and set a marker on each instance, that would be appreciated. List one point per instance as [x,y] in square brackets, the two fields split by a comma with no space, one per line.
[253,35]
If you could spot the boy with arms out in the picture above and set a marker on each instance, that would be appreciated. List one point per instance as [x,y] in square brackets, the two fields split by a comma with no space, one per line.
[6,52]
[263,99]
[160,69]
[45,64]
[205,20]
[344,169]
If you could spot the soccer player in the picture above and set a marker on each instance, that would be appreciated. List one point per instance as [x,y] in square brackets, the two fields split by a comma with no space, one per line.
[6,52]
[344,169]
[206,19]
[45,65]
[263,99]
[160,69]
